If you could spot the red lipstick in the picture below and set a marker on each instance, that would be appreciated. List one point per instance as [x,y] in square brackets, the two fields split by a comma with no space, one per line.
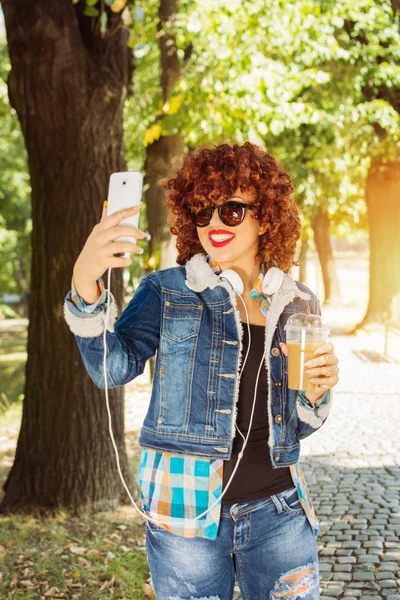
[220,237]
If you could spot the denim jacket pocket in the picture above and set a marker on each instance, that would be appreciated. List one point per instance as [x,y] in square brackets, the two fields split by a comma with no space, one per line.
[179,335]
[181,321]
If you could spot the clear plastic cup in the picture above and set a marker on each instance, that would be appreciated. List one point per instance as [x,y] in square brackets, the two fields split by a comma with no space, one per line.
[304,334]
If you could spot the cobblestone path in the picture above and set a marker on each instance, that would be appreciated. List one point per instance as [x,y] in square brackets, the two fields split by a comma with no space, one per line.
[352,466]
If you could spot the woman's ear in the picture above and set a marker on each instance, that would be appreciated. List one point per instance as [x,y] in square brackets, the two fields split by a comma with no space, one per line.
[263,229]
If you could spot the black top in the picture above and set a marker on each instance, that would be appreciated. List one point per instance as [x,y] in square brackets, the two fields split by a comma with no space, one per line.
[255,478]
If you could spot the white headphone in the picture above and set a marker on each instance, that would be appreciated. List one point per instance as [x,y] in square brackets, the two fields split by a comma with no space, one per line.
[234,279]
[270,285]
[272,281]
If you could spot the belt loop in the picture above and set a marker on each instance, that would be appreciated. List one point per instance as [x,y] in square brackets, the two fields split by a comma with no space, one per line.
[234,511]
[278,504]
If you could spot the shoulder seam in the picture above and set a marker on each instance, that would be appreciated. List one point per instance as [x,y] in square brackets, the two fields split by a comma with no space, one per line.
[149,278]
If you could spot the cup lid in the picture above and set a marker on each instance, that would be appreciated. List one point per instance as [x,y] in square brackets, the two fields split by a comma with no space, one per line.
[300,321]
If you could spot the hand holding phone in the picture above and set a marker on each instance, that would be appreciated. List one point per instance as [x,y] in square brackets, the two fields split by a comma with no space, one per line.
[104,242]
[125,191]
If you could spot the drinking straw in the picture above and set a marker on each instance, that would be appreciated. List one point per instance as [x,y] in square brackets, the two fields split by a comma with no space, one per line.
[302,356]
[307,313]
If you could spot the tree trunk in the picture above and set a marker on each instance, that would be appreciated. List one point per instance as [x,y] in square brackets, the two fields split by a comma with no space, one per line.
[161,158]
[383,204]
[163,155]
[320,225]
[68,86]
[303,260]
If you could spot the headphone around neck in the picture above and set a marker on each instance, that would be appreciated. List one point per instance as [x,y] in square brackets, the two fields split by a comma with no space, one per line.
[270,285]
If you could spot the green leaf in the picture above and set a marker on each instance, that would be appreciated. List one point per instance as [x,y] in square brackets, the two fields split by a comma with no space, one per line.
[109,2]
[91,2]
[75,1]
[90,11]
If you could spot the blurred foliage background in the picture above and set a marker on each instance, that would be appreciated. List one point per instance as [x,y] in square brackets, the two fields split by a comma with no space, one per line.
[313,81]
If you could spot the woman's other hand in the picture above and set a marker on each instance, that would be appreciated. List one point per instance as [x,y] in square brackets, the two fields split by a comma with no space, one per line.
[322,370]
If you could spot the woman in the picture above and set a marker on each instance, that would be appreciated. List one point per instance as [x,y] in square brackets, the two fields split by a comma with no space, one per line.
[232,208]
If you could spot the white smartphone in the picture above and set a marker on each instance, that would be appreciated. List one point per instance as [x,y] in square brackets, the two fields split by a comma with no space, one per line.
[125,191]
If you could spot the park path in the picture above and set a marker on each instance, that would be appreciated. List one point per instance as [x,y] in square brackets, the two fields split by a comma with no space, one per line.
[352,466]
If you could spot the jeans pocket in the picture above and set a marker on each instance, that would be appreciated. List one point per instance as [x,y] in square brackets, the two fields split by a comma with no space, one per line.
[290,501]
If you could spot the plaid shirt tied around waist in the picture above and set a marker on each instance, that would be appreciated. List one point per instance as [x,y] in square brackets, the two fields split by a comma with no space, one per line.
[176,488]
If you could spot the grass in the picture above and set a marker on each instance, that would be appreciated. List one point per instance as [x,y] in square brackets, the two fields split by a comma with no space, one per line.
[100,555]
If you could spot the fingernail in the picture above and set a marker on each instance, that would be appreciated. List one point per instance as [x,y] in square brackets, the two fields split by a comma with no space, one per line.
[105,204]
[318,351]
[148,236]
[140,251]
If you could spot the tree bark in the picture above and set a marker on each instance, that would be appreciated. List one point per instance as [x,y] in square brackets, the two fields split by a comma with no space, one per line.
[163,155]
[383,204]
[320,225]
[68,86]
[303,260]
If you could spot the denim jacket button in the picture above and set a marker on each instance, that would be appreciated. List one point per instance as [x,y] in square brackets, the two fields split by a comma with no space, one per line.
[159,421]
[278,384]
[277,457]
[275,352]
[161,371]
[278,419]
[200,307]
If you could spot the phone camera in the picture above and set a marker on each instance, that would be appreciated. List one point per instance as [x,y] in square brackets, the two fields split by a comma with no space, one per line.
[124,182]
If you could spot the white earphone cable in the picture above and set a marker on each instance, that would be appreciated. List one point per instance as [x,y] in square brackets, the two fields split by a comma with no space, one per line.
[240,455]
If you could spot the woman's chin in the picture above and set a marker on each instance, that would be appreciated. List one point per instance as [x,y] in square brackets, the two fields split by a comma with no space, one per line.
[221,254]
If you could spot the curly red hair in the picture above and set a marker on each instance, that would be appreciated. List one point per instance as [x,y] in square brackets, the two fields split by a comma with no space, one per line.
[208,175]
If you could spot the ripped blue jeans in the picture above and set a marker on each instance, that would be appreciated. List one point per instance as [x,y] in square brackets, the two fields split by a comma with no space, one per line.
[267,543]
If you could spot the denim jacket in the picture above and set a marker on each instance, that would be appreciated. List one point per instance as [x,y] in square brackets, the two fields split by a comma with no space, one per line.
[187,316]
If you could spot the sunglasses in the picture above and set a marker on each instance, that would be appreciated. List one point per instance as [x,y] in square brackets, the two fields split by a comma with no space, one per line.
[230,213]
